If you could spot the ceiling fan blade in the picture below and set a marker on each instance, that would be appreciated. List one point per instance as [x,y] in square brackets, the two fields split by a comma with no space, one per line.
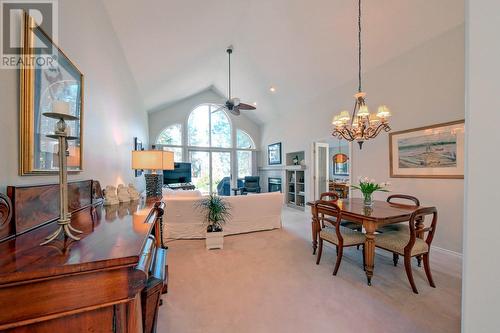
[244,106]
[235,111]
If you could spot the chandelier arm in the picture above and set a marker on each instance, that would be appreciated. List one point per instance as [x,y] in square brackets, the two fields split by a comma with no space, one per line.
[344,134]
[378,130]
[347,131]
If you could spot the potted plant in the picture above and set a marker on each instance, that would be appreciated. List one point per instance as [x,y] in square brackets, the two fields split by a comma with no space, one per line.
[368,187]
[216,211]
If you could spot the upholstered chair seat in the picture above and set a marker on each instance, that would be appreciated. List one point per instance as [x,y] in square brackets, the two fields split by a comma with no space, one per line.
[412,242]
[332,231]
[397,241]
[350,236]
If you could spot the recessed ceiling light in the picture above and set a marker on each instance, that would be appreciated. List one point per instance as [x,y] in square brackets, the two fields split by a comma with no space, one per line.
[272,89]
[254,103]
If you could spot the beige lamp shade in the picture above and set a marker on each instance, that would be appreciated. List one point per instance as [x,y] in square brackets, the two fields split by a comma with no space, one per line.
[152,160]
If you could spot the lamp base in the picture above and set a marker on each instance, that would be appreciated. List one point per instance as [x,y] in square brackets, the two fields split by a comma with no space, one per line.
[154,183]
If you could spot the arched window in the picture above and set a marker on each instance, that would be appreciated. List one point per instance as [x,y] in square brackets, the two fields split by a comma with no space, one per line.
[244,144]
[243,140]
[171,139]
[209,127]
[218,153]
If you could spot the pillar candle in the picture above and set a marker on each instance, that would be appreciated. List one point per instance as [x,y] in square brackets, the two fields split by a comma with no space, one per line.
[60,107]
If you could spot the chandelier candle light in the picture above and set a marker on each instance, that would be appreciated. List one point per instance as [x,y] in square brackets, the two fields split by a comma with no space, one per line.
[363,125]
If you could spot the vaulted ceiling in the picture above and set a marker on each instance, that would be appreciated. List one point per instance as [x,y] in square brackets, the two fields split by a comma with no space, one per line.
[176,48]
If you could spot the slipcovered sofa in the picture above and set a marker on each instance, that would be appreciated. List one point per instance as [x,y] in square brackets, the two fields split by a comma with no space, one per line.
[182,220]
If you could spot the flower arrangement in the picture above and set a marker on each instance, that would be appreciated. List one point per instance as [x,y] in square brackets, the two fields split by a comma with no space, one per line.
[368,186]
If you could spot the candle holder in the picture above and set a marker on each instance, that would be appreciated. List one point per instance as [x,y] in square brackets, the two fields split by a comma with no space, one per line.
[61,134]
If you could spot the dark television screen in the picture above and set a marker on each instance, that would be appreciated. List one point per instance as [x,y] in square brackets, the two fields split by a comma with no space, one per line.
[181,174]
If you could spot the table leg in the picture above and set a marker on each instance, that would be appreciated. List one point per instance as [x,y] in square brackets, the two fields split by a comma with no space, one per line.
[315,229]
[369,249]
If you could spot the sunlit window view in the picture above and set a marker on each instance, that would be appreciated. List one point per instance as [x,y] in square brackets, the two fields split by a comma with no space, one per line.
[210,149]
[171,140]
[243,140]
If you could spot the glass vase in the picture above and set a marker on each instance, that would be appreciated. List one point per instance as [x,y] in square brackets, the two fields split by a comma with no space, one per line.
[368,199]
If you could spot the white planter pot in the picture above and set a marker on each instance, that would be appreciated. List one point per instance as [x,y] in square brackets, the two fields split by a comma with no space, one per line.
[215,240]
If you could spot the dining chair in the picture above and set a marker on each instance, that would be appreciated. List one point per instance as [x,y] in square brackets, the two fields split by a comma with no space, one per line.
[336,234]
[334,197]
[327,196]
[412,244]
[401,227]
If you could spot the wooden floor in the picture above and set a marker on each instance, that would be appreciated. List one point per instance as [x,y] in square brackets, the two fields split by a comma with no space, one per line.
[269,282]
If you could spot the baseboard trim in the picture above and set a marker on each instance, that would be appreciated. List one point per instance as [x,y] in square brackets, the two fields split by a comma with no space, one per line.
[449,252]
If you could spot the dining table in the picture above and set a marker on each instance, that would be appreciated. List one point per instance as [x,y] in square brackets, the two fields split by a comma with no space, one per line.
[372,218]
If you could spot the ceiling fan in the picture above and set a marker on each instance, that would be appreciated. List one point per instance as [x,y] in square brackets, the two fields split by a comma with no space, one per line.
[233,104]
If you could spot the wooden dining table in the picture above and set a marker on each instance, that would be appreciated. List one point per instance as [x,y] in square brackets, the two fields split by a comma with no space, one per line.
[371,218]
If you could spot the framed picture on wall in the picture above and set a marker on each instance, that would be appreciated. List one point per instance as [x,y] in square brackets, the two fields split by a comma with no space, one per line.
[138,146]
[435,151]
[274,154]
[58,80]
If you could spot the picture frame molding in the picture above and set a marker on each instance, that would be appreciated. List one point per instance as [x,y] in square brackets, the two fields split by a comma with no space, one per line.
[391,153]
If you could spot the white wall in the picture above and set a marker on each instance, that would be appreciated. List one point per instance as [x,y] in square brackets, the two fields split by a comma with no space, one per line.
[113,111]
[179,113]
[481,291]
[422,87]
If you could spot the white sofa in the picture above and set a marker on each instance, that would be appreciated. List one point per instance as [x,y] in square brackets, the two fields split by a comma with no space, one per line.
[182,220]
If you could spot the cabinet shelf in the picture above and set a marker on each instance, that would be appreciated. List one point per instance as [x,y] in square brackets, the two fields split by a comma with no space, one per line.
[296,182]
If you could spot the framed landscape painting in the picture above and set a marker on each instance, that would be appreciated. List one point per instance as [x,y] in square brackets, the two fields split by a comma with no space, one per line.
[274,154]
[428,152]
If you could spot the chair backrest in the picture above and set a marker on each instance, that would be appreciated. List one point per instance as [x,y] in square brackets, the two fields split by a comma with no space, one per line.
[252,183]
[223,188]
[329,208]
[392,198]
[329,196]
[419,216]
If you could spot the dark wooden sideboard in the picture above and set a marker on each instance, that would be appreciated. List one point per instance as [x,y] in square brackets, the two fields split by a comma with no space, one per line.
[109,281]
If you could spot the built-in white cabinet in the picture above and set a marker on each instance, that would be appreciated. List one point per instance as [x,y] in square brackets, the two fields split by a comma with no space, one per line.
[295,189]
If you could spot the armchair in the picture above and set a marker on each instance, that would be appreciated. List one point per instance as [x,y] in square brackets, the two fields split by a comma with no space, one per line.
[251,185]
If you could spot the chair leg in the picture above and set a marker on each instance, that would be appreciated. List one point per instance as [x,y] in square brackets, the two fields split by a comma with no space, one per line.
[339,259]
[419,261]
[409,273]
[427,268]
[395,258]
[320,250]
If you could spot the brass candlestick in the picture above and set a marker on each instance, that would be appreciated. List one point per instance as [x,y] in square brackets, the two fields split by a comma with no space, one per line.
[61,134]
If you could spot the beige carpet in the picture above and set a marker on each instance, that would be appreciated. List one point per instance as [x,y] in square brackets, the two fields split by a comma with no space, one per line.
[269,282]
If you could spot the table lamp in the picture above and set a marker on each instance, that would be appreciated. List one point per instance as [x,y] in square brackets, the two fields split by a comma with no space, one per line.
[153,160]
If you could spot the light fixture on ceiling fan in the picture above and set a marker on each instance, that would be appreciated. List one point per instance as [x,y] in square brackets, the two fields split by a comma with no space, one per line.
[363,125]
[233,104]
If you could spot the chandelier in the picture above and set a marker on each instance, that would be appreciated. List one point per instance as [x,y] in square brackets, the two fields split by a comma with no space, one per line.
[363,125]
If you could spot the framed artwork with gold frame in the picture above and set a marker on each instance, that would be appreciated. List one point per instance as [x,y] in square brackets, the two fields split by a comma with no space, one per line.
[435,151]
[56,79]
